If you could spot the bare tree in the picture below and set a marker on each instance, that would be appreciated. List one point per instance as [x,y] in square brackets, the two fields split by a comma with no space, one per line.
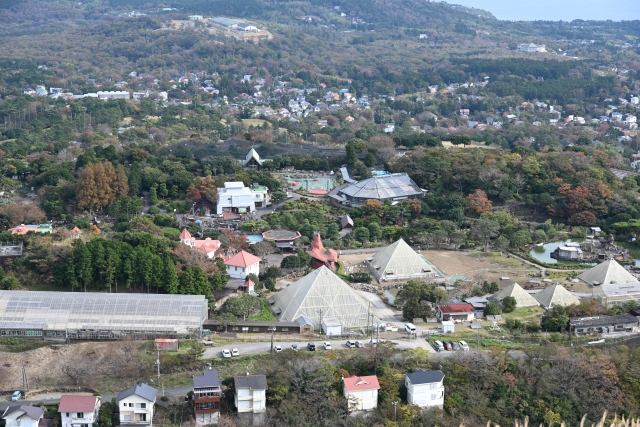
[76,369]
[518,182]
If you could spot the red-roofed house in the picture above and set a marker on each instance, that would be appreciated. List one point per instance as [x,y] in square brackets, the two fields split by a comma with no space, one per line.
[321,256]
[240,265]
[248,286]
[24,229]
[361,392]
[464,312]
[76,233]
[79,411]
[206,246]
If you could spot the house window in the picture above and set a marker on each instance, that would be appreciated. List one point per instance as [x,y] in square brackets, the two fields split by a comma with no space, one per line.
[143,417]
[126,417]
[434,396]
[143,405]
[67,414]
[245,329]
[130,405]
[285,329]
[236,268]
[256,329]
[434,386]
[80,414]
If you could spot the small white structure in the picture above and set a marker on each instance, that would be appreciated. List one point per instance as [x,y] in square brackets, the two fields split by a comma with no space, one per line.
[236,198]
[136,405]
[425,388]
[530,47]
[448,327]
[331,326]
[107,95]
[196,17]
[361,392]
[570,252]
[240,265]
[250,395]
[23,416]
[261,195]
[79,411]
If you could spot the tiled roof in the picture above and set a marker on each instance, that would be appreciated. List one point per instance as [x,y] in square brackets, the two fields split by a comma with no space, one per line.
[143,390]
[242,259]
[33,412]
[456,308]
[70,403]
[361,383]
[185,234]
[207,245]
[253,382]
[425,377]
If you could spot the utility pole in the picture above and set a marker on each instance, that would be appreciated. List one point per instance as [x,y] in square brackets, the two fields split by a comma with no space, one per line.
[320,311]
[25,381]
[158,365]
[395,411]
[272,328]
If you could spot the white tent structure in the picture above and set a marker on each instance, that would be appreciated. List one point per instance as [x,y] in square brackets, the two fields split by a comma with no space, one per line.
[320,290]
[556,295]
[605,273]
[523,298]
[399,262]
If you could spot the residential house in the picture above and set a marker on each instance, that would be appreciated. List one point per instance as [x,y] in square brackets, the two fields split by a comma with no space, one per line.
[240,265]
[24,416]
[79,411]
[136,405]
[235,197]
[24,229]
[250,395]
[261,195]
[461,312]
[478,304]
[361,392]
[248,287]
[603,324]
[29,91]
[207,246]
[207,392]
[425,388]
[389,127]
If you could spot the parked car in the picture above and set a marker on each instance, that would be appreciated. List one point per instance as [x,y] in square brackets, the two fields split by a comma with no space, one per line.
[327,345]
[447,346]
[410,328]
[17,395]
[294,347]
[455,346]
[464,346]
[351,344]
[359,344]
[438,346]
[373,342]
[311,347]
[391,328]
[277,348]
[226,352]
[235,352]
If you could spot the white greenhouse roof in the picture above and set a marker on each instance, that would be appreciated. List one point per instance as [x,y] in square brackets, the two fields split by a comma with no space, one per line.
[607,272]
[399,261]
[102,311]
[523,298]
[556,295]
[321,290]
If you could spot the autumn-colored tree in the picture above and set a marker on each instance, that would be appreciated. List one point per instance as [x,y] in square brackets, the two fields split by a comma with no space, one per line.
[576,199]
[22,213]
[585,218]
[203,189]
[95,230]
[232,242]
[86,192]
[372,207]
[121,183]
[479,202]
[415,206]
[98,185]
[193,193]
[104,178]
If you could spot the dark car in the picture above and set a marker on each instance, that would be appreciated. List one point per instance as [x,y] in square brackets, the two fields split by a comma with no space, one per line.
[311,347]
[447,345]
[455,346]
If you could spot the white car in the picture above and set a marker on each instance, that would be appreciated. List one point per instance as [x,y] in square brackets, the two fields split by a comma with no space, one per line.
[226,353]
[235,352]
[17,395]
[391,328]
[277,348]
[327,346]
[464,346]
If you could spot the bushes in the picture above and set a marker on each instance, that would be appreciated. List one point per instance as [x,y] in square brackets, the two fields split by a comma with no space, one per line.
[154,210]
[360,278]
[491,309]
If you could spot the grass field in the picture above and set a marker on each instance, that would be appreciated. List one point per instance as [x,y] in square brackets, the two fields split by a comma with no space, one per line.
[525,314]
[265,314]
[253,122]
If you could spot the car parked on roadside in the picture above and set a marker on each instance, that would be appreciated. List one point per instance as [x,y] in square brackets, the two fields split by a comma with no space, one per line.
[438,346]
[17,395]
[464,346]
[351,344]
[391,328]
[327,345]
[455,346]
[359,344]
[447,346]
[277,348]
[235,352]
[311,346]
[226,352]
[294,347]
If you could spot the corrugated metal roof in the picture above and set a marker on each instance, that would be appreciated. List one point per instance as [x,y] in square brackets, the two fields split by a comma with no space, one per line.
[556,295]
[523,298]
[397,185]
[607,272]
[399,260]
[143,390]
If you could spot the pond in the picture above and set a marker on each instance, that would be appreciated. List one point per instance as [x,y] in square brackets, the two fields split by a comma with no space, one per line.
[254,238]
[543,253]
[633,250]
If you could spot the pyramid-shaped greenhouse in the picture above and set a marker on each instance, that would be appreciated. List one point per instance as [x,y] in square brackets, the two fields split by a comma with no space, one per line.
[523,298]
[607,272]
[399,261]
[556,295]
[322,290]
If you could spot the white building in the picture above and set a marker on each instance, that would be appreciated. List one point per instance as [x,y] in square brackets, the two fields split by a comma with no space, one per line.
[23,416]
[530,47]
[425,388]
[235,197]
[361,392]
[107,95]
[240,265]
[136,405]
[250,395]
[261,195]
[331,326]
[207,246]
[79,411]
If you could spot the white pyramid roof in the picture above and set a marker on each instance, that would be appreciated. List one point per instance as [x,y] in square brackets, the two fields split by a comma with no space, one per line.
[607,272]
[322,290]
[556,295]
[523,298]
[399,261]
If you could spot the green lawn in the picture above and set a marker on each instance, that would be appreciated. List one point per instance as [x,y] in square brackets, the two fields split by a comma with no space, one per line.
[265,314]
[525,314]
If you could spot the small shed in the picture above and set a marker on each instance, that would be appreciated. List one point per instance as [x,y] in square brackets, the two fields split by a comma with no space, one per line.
[448,327]
[331,326]
[164,344]
[569,252]
[306,325]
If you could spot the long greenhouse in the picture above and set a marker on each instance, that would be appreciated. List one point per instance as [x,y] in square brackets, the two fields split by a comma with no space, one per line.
[82,315]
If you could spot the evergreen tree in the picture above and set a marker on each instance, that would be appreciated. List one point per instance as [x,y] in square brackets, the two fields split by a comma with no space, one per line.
[153,194]
[162,190]
[170,276]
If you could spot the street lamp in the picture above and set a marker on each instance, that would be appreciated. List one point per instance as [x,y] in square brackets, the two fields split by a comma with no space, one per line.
[272,328]
[395,411]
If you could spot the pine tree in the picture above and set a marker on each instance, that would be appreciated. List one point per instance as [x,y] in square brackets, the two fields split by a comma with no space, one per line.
[170,276]
[86,195]
[121,183]
[83,265]
[153,194]
[162,190]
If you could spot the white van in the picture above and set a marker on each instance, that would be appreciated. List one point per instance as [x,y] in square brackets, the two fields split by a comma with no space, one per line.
[410,328]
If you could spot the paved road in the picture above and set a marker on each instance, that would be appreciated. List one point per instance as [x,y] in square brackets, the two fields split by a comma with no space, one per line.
[265,347]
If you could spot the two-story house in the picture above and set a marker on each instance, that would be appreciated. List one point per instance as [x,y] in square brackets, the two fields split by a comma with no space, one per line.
[361,392]
[206,396]
[240,265]
[425,388]
[250,395]
[79,411]
[136,405]
[24,416]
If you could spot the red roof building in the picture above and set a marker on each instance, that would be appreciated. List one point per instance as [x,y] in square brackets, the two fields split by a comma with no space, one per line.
[76,411]
[240,265]
[320,255]
[462,312]
[361,392]
[206,246]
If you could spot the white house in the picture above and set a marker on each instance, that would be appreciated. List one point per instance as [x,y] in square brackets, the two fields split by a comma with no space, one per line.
[250,395]
[136,405]
[425,388]
[235,197]
[361,392]
[261,195]
[24,416]
[79,411]
[240,265]
[207,246]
